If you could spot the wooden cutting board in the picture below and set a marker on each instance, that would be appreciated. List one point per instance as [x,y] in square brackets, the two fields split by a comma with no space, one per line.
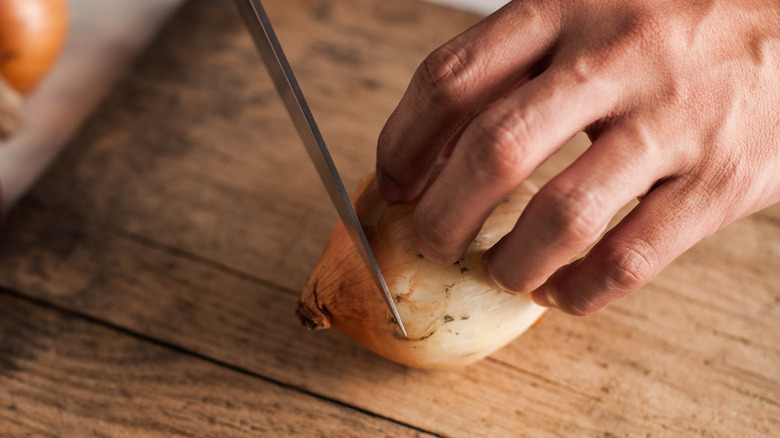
[148,282]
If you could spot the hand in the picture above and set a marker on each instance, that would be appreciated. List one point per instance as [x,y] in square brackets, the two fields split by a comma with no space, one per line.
[680,99]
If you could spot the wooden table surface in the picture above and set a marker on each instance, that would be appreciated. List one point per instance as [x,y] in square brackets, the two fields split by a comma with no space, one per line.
[148,282]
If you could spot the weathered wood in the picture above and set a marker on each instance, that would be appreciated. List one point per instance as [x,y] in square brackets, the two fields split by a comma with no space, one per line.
[182,212]
[654,362]
[227,177]
[62,375]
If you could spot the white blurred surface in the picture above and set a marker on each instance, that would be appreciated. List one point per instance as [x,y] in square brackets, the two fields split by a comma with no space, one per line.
[104,37]
[480,6]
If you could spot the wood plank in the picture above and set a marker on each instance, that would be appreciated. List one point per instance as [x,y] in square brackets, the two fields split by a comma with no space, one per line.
[648,364]
[226,177]
[63,375]
[147,222]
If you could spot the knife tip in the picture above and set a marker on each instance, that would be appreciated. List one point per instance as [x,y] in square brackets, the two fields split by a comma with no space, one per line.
[401,326]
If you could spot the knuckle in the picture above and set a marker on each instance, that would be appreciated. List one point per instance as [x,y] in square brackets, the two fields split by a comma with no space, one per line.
[444,75]
[573,214]
[629,267]
[601,67]
[585,67]
[722,184]
[639,38]
[501,150]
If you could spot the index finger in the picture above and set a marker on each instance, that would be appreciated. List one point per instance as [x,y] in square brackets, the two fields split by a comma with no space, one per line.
[455,82]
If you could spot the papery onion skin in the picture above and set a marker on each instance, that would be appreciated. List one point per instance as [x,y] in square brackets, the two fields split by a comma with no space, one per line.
[452,316]
[10,108]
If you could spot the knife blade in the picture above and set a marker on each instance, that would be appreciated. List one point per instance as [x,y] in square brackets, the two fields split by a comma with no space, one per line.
[287,86]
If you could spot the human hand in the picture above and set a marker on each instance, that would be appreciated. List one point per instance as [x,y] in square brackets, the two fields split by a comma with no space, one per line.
[680,100]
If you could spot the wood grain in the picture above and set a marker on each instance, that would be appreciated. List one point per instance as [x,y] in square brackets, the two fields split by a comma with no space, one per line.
[583,376]
[63,375]
[186,211]
[227,178]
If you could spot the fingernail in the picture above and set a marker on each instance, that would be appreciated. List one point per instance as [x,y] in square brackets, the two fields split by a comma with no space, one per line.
[486,273]
[388,188]
[489,275]
[428,252]
[540,296]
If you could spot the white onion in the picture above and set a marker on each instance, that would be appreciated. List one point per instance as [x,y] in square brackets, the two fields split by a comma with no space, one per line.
[452,316]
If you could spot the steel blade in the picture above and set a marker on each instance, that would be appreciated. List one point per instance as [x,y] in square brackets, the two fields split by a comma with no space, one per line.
[287,86]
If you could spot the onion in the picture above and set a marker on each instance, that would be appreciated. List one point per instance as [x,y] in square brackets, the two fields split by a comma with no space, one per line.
[452,316]
[32,33]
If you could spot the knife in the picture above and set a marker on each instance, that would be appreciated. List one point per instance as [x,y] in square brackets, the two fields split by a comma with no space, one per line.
[287,86]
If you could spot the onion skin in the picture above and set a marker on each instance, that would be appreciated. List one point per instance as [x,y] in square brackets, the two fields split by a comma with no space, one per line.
[32,34]
[10,107]
[452,316]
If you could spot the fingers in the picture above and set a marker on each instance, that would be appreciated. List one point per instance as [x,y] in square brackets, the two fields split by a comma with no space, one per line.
[669,220]
[498,150]
[571,211]
[454,83]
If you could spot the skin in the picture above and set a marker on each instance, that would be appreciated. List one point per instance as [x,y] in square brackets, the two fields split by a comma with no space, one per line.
[680,99]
